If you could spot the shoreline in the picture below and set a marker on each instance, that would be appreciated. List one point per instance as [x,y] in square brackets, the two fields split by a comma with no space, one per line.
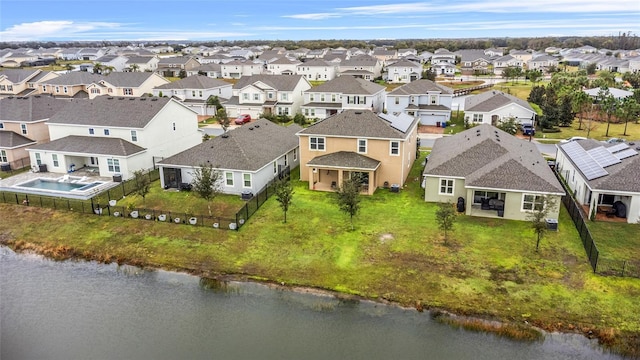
[518,331]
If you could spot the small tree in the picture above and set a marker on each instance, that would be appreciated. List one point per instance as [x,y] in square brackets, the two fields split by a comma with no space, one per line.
[284,195]
[609,104]
[445,217]
[509,125]
[349,196]
[629,110]
[143,185]
[581,102]
[223,118]
[206,183]
[541,207]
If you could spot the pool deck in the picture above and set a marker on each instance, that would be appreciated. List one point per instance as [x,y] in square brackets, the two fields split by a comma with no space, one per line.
[7,184]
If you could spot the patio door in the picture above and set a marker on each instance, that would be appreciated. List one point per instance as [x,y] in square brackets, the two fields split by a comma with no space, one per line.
[172,178]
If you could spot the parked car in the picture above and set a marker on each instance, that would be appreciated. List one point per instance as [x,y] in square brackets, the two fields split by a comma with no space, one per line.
[615,140]
[528,129]
[573,138]
[243,119]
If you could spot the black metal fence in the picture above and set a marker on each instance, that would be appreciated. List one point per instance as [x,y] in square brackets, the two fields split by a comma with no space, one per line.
[255,202]
[599,264]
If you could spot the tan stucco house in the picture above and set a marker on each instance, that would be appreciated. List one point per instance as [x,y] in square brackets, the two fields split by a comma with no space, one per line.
[493,172]
[381,147]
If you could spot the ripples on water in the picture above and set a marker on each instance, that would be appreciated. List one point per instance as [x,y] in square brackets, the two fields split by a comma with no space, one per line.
[85,310]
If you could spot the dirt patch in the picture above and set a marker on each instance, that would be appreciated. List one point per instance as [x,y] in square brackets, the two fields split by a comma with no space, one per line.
[430,129]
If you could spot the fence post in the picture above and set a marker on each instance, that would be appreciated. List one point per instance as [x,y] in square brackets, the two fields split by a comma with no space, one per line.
[624,263]
[17,200]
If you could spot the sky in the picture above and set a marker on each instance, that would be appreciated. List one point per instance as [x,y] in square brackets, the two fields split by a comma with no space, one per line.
[212,20]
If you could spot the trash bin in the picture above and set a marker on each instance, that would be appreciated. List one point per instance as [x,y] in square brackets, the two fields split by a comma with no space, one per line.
[552,224]
[437,123]
[117,178]
[5,167]
[42,167]
[444,125]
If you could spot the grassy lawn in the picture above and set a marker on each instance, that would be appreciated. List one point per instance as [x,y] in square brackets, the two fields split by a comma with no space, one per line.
[487,268]
[618,241]
[597,132]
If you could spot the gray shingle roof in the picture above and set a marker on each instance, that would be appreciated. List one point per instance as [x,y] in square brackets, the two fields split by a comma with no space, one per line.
[195,82]
[492,100]
[248,148]
[278,82]
[345,159]
[90,145]
[10,140]
[111,111]
[32,108]
[348,85]
[127,79]
[356,123]
[75,78]
[421,86]
[624,176]
[17,76]
[491,158]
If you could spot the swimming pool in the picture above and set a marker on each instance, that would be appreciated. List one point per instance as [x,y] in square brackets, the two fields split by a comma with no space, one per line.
[73,187]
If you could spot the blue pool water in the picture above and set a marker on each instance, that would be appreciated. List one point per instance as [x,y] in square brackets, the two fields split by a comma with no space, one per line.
[58,186]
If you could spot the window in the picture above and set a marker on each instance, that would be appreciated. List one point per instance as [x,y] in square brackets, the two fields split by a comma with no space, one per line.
[38,159]
[57,89]
[174,126]
[284,96]
[134,135]
[3,156]
[193,93]
[1,125]
[256,97]
[286,160]
[200,93]
[446,187]
[246,180]
[54,157]
[322,97]
[275,167]
[605,199]
[311,97]
[245,96]
[316,143]
[477,117]
[23,128]
[95,91]
[532,202]
[128,91]
[64,89]
[106,132]
[295,154]
[270,95]
[362,146]
[394,148]
[397,100]
[44,88]
[434,99]
[333,97]
[114,165]
[2,87]
[228,176]
[91,132]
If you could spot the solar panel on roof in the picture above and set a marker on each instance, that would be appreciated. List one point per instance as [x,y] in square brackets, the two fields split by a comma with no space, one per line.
[625,154]
[603,157]
[617,147]
[400,122]
[585,163]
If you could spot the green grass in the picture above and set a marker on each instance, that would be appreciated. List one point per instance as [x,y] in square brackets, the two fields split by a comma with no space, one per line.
[488,267]
[597,131]
[619,241]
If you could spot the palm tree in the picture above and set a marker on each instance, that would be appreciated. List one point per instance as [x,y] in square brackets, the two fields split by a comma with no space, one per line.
[629,109]
[98,68]
[609,104]
[581,102]
[134,67]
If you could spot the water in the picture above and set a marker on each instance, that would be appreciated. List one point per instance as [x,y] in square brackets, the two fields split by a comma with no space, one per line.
[85,310]
[46,184]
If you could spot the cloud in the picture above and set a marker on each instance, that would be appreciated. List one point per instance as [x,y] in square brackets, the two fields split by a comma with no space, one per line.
[316,16]
[52,29]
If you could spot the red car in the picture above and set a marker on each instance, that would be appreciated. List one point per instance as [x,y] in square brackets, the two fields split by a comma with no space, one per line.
[243,119]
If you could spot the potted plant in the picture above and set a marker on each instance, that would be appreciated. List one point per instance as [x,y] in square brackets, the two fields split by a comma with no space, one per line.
[112,203]
[162,217]
[176,220]
[148,216]
[116,213]
[134,214]
[193,220]
[216,225]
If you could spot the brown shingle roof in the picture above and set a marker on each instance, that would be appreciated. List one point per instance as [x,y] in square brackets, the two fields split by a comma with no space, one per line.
[345,159]
[249,147]
[90,145]
[491,158]
[10,140]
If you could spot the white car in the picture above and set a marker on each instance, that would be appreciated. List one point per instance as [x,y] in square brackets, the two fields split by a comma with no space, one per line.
[573,138]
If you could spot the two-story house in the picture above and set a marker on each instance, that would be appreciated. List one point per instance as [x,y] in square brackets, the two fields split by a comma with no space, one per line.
[317,70]
[127,84]
[473,62]
[380,148]
[172,66]
[363,66]
[267,94]
[428,101]
[283,66]
[22,121]
[241,68]
[503,62]
[73,84]
[542,63]
[343,92]
[116,135]
[141,63]
[194,91]
[403,71]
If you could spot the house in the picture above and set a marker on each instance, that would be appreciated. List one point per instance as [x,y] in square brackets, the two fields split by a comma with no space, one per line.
[317,70]
[267,94]
[73,84]
[248,157]
[542,63]
[385,55]
[428,101]
[22,82]
[116,135]
[17,59]
[115,62]
[241,68]
[474,62]
[595,93]
[282,66]
[504,62]
[364,66]
[343,92]
[172,66]
[13,150]
[603,177]
[141,63]
[491,174]
[521,55]
[194,91]
[443,56]
[404,71]
[493,106]
[211,70]
[22,124]
[90,53]
[634,65]
[381,148]
[127,84]
[444,69]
